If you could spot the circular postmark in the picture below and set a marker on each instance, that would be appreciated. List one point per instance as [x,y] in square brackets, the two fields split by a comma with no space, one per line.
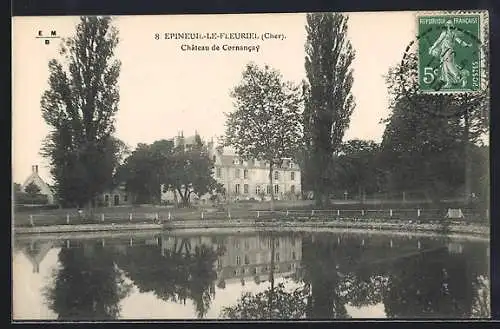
[444,70]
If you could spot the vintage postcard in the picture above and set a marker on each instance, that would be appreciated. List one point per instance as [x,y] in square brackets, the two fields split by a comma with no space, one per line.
[251,166]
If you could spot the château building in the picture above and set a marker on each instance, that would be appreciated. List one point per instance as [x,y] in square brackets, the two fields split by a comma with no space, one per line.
[244,180]
[249,179]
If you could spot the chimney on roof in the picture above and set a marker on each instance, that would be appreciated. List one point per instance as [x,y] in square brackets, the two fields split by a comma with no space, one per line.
[34,169]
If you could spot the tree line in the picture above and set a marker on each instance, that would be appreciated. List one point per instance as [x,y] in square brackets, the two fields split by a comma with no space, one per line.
[272,119]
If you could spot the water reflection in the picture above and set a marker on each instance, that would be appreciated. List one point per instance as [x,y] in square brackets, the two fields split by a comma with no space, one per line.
[87,284]
[261,276]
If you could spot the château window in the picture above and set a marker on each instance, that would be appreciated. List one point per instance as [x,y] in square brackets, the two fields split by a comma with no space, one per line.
[237,189]
[292,175]
[245,173]
[276,175]
[245,188]
[276,189]
[268,189]
[292,189]
[247,260]
[125,198]
[213,158]
[106,198]
[257,189]
[293,255]
[277,256]
[218,172]
[291,165]
[238,260]
[237,173]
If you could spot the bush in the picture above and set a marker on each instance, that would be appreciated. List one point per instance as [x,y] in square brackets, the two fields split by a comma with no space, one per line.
[25,198]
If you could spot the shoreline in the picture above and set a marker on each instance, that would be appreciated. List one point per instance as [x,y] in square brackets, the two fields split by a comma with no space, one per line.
[466,231]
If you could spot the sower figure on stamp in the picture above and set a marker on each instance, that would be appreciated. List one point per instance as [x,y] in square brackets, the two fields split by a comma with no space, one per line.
[443,48]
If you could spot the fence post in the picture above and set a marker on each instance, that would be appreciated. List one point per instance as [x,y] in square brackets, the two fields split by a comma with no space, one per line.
[362,212]
[31,220]
[338,240]
[229,213]
[102,217]
[363,242]
[201,214]
[258,214]
[418,244]
[338,212]
[67,218]
[287,213]
[102,241]
[67,244]
[169,216]
[131,242]
[390,212]
[391,243]
[418,212]
[130,217]
[312,212]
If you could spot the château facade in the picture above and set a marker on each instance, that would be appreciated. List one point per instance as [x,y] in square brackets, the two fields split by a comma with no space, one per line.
[245,180]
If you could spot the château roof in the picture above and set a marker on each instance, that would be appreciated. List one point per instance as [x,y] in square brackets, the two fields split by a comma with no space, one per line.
[236,161]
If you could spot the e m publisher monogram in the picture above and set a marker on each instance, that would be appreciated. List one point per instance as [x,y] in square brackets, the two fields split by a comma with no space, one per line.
[47,36]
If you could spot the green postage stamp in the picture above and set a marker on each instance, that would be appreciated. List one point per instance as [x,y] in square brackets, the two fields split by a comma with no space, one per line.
[451,51]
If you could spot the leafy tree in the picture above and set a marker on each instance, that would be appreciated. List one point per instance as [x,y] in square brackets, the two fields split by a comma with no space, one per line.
[266,122]
[329,102]
[32,190]
[357,168]
[190,172]
[144,170]
[427,142]
[79,106]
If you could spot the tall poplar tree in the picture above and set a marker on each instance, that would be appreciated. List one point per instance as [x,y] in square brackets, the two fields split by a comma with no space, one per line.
[79,106]
[329,102]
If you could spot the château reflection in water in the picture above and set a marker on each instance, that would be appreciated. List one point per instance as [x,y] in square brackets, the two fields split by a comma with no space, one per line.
[251,276]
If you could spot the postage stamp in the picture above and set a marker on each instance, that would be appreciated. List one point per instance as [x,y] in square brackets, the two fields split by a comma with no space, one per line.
[449,53]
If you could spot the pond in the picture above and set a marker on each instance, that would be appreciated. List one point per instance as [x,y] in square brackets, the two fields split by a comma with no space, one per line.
[257,275]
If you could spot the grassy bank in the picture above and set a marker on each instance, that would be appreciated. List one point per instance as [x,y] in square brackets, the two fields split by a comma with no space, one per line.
[238,225]
[302,210]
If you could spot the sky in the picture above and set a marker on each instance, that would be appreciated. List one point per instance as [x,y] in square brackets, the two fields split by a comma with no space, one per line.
[164,90]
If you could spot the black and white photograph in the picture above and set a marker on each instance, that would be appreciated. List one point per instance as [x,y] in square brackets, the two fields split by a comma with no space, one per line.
[284,166]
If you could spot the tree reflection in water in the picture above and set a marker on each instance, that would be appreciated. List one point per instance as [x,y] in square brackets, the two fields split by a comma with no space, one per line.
[335,272]
[285,305]
[175,274]
[275,302]
[433,283]
[87,285]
